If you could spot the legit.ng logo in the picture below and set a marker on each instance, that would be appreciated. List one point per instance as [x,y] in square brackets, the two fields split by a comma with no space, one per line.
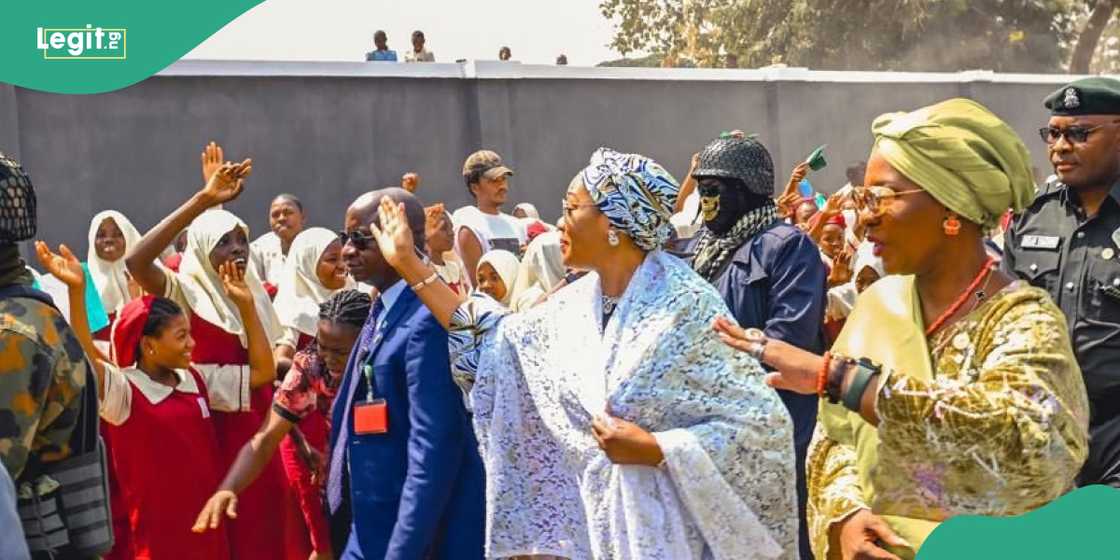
[88,43]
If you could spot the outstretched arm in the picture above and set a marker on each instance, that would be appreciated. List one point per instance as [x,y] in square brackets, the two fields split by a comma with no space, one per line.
[68,270]
[395,240]
[250,461]
[224,185]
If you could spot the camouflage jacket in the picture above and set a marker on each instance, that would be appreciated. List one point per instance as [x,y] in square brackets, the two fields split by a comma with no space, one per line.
[42,372]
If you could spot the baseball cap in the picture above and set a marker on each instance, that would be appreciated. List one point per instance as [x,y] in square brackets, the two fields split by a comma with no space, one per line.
[487,163]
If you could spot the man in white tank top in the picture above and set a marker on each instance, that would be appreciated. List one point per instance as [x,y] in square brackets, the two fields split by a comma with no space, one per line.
[483,227]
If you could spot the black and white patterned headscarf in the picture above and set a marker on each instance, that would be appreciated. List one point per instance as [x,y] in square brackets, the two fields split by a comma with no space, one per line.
[636,194]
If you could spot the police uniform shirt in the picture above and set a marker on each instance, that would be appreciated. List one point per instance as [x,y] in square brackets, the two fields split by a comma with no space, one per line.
[1076,258]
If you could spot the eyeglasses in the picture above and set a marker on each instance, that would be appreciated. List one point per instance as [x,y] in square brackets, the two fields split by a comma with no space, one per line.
[570,207]
[870,199]
[1072,134]
[360,240]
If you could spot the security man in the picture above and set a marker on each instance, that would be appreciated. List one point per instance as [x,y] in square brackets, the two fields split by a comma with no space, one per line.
[1067,243]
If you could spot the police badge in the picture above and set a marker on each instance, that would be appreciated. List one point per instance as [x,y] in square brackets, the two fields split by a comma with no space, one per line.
[1070,100]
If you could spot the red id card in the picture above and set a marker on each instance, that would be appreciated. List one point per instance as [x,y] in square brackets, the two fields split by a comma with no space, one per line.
[371,417]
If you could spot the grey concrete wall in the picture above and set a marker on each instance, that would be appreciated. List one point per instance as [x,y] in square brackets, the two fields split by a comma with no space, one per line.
[327,132]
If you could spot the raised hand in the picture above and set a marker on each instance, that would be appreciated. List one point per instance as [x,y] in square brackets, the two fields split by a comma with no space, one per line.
[212,159]
[394,236]
[233,282]
[410,181]
[795,178]
[841,272]
[64,265]
[834,204]
[226,183]
[222,503]
[791,196]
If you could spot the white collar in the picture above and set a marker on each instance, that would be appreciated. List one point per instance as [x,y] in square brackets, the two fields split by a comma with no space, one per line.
[157,392]
[390,296]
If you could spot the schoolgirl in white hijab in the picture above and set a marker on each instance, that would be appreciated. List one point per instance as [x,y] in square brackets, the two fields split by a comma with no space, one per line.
[110,277]
[313,272]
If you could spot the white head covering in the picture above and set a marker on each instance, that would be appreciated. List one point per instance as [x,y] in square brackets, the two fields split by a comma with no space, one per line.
[541,270]
[111,278]
[505,264]
[529,209]
[865,257]
[202,287]
[300,292]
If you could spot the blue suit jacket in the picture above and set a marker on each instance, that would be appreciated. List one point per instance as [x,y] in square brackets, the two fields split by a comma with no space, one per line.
[417,491]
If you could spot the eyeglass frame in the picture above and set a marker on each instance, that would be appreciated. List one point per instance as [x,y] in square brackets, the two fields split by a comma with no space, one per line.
[1063,133]
[567,208]
[879,198]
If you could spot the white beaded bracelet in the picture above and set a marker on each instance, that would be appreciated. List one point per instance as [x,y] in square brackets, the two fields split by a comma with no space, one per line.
[425,282]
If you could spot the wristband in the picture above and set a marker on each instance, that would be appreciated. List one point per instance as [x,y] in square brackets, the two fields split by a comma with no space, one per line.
[822,375]
[425,282]
[865,372]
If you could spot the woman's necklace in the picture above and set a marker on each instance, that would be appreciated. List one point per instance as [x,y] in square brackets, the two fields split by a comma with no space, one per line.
[609,303]
[969,292]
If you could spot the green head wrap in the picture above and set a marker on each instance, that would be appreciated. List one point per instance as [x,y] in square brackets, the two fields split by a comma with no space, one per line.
[962,154]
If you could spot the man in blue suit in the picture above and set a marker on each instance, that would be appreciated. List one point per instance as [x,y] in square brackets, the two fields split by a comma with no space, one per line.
[404,459]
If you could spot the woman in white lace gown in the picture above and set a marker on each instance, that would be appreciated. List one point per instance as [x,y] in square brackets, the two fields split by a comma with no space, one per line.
[613,423]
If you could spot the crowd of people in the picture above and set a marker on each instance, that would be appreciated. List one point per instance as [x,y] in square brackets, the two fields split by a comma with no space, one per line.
[706,369]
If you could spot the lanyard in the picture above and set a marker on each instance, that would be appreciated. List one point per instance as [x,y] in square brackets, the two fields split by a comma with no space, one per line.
[367,370]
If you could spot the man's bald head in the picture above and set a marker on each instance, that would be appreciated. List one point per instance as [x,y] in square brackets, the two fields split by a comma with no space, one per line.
[364,208]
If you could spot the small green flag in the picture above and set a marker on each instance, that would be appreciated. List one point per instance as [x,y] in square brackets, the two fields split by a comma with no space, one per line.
[816,159]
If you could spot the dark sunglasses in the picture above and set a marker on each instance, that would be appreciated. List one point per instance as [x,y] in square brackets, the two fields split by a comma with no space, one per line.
[1072,134]
[360,240]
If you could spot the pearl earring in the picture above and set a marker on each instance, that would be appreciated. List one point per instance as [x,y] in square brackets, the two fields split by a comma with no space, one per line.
[612,238]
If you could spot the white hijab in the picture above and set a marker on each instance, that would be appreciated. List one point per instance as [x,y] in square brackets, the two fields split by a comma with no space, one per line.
[111,278]
[505,264]
[529,209]
[541,270]
[202,287]
[300,291]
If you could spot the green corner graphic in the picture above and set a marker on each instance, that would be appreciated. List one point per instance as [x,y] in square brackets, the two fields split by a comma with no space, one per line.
[1078,525]
[92,47]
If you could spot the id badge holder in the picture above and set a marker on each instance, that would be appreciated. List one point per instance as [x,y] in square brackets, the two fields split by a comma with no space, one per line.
[371,416]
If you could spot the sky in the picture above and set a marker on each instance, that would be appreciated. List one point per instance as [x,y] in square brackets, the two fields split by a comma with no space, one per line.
[537,31]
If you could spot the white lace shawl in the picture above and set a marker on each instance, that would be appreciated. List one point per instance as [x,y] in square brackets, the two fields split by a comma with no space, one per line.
[535,380]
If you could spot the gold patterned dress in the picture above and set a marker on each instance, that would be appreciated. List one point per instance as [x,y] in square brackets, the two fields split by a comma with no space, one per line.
[989,417]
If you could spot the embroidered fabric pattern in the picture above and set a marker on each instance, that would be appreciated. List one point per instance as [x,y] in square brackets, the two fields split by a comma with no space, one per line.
[727,491]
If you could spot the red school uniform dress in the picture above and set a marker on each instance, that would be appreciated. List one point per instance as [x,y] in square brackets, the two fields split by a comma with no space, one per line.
[165,452]
[264,507]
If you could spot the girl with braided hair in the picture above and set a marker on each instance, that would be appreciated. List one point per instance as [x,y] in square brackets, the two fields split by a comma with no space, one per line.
[301,409]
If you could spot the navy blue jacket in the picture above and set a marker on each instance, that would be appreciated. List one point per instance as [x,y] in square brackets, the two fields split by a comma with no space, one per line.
[776,282]
[417,491]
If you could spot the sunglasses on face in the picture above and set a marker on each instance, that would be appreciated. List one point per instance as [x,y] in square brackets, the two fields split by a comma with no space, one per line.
[1073,134]
[359,240]
[871,199]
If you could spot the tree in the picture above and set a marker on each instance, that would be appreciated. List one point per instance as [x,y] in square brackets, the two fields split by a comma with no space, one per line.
[1095,26]
[927,35]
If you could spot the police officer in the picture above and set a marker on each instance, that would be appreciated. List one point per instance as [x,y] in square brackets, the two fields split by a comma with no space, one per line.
[1068,241]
